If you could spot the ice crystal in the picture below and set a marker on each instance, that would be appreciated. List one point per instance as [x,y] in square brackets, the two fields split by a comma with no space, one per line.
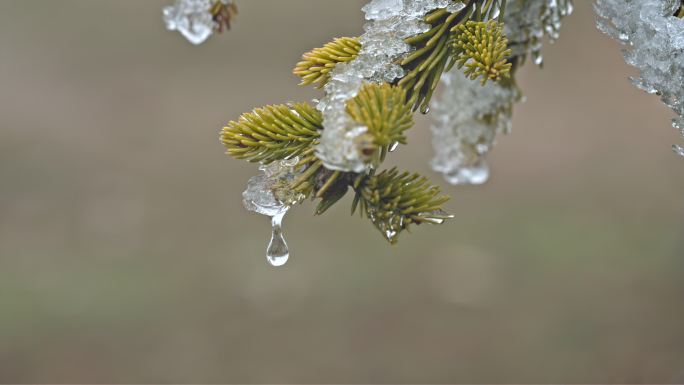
[389,23]
[654,44]
[469,116]
[192,18]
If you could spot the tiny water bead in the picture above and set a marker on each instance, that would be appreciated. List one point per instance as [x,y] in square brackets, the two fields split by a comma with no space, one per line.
[679,125]
[277,253]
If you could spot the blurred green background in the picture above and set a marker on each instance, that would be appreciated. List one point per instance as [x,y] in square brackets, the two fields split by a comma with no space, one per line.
[126,256]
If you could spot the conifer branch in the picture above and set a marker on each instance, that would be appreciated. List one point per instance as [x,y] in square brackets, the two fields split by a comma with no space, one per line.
[273,132]
[483,50]
[393,201]
[384,111]
[316,65]
[680,10]
[279,132]
[433,54]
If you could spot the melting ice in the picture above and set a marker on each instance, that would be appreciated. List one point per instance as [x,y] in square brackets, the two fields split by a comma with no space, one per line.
[269,194]
[192,18]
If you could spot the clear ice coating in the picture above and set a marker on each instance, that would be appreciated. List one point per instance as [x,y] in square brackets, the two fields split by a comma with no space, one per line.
[468,116]
[654,44]
[269,194]
[192,18]
[389,23]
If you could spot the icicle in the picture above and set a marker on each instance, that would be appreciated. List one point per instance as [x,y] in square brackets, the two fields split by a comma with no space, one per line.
[268,194]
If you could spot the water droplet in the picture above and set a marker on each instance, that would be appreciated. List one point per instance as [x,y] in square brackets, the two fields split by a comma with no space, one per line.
[569,8]
[393,146]
[679,125]
[391,235]
[455,7]
[496,13]
[277,252]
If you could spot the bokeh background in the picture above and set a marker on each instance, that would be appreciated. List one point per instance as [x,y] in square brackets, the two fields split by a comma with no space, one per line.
[126,256]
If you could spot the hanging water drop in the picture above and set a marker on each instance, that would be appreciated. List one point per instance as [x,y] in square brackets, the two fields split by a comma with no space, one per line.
[277,252]
[268,194]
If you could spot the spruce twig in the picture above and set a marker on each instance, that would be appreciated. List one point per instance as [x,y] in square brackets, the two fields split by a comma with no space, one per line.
[273,132]
[393,201]
[483,50]
[433,53]
[383,109]
[316,65]
[223,14]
